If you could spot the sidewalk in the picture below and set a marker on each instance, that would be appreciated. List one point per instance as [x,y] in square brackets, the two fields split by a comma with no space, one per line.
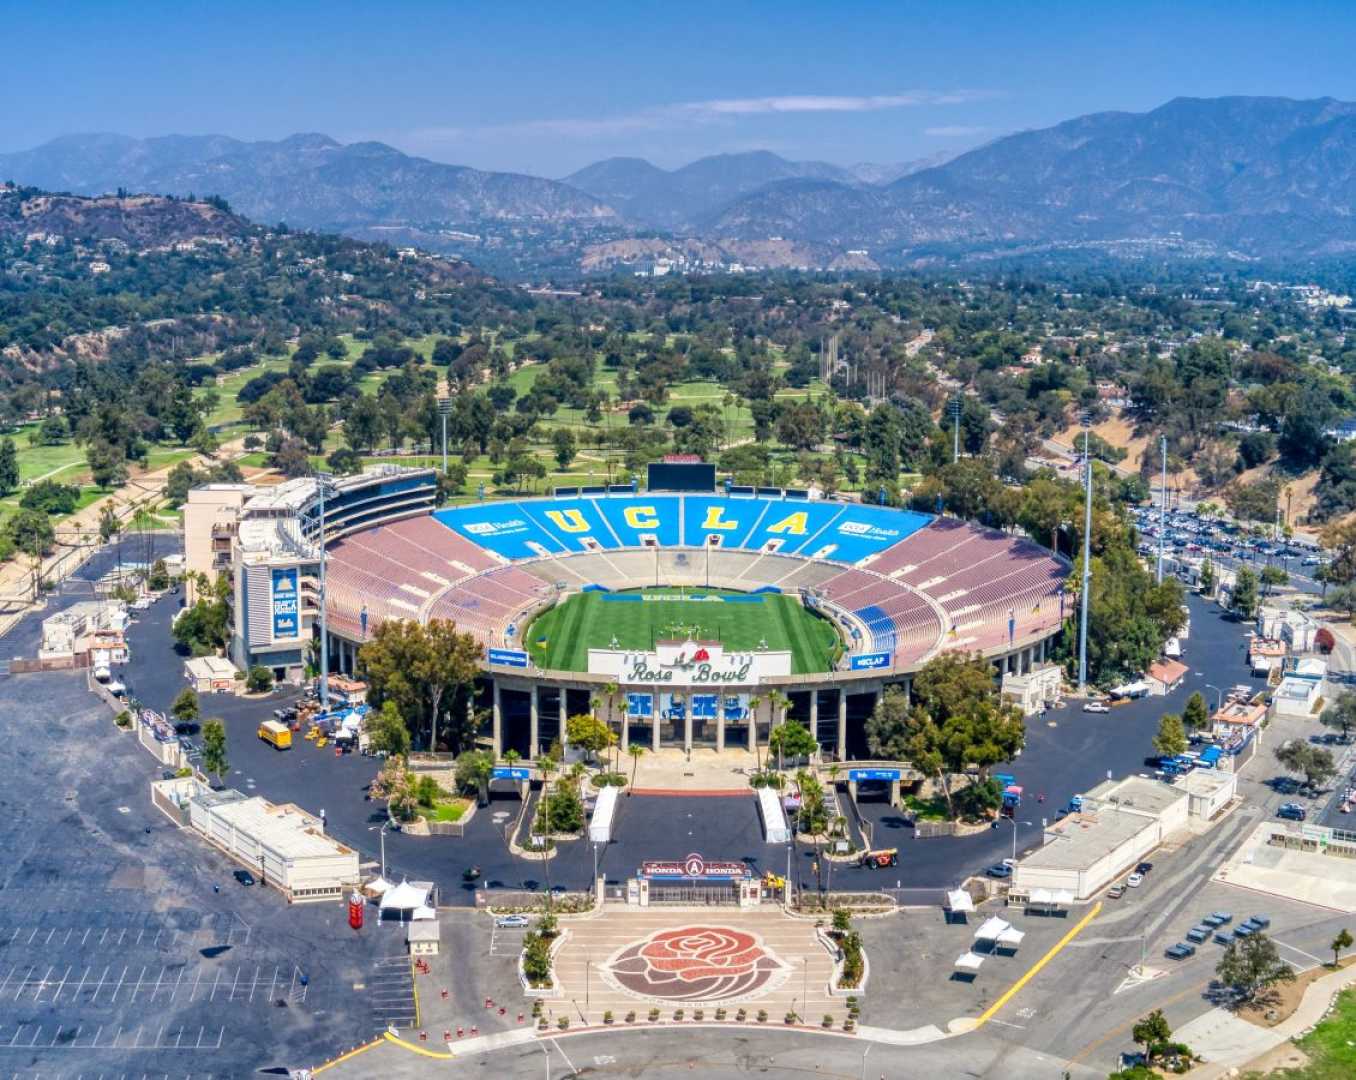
[1226,1042]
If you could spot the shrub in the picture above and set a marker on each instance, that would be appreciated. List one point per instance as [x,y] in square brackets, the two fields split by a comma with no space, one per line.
[654,1015]
[742,1015]
[720,1014]
[678,1014]
[762,1016]
[698,1014]
[563,1023]
[827,1021]
[631,1017]
[607,1017]
[259,680]
[123,719]
[536,959]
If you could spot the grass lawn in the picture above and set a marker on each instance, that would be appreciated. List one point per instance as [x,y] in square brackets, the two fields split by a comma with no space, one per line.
[450,810]
[561,637]
[1332,1045]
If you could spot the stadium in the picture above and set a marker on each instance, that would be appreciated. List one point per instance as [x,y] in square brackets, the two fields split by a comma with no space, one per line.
[701,613]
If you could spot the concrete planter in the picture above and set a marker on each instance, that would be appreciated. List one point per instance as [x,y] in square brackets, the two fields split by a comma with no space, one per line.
[553,989]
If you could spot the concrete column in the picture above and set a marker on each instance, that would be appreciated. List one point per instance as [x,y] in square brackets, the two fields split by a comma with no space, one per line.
[814,714]
[842,725]
[564,740]
[752,745]
[654,722]
[625,729]
[687,721]
[533,732]
[498,720]
[720,722]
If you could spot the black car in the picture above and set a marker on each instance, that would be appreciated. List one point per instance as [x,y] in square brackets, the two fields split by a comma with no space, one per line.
[1144,868]
[244,877]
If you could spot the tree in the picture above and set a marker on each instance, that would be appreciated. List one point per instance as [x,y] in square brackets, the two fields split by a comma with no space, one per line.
[107,463]
[1273,577]
[387,732]
[1314,762]
[109,526]
[562,440]
[475,769]
[887,728]
[1196,715]
[1153,1030]
[1171,739]
[1252,965]
[589,733]
[1341,714]
[214,759]
[422,669]
[185,708]
[32,533]
[1243,597]
[1343,940]
[259,680]
[1207,577]
[637,752]
[291,459]
[9,466]
[801,426]
[1343,599]
[791,740]
[344,462]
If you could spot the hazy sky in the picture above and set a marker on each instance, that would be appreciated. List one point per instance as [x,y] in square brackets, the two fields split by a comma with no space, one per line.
[547,88]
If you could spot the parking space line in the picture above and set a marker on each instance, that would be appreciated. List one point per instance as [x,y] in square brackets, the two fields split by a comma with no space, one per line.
[156,990]
[61,985]
[32,936]
[121,978]
[83,976]
[234,983]
[42,983]
[20,988]
[95,996]
[4,984]
[196,983]
[1292,948]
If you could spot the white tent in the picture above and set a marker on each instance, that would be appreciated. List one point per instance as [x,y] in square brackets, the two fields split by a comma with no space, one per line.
[1011,937]
[377,886]
[992,929]
[423,912]
[404,897]
[969,961]
[958,900]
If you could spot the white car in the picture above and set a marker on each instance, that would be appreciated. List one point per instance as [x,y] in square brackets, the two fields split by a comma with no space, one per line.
[510,922]
[1096,706]
[1135,880]
[115,687]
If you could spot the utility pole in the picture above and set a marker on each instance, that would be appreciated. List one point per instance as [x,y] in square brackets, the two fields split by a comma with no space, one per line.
[1087,562]
[1162,507]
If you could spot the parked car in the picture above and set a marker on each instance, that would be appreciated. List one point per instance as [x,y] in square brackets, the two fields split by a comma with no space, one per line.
[1135,880]
[1180,951]
[1096,707]
[1199,934]
[1224,937]
[244,877]
[511,922]
[999,870]
[1143,868]
[1292,812]
[1116,891]
[1218,918]
[1244,930]
[1258,922]
[116,687]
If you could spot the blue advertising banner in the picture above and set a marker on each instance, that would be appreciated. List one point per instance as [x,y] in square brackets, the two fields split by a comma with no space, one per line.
[873,774]
[704,705]
[870,660]
[503,772]
[285,624]
[508,657]
[736,706]
[640,706]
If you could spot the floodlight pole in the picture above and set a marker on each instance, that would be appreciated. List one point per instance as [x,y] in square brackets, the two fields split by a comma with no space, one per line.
[322,484]
[955,409]
[444,407]
[1087,563]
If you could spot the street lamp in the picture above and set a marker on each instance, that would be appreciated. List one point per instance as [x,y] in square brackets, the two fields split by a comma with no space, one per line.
[1087,560]
[1219,695]
[324,486]
[444,407]
[371,828]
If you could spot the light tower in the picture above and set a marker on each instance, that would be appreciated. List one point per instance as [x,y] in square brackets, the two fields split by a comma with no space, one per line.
[1162,507]
[954,408]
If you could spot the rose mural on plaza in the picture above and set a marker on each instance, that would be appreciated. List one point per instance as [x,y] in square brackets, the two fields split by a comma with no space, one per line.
[697,963]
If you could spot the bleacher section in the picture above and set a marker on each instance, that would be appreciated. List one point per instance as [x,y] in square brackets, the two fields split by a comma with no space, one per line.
[906,583]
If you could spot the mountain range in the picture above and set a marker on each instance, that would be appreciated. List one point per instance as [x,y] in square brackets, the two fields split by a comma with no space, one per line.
[1250,176]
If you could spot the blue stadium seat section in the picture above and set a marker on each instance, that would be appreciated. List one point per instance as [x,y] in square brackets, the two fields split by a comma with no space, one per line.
[575,523]
[641,516]
[882,627]
[506,529]
[730,519]
[531,528]
[861,531]
[797,525]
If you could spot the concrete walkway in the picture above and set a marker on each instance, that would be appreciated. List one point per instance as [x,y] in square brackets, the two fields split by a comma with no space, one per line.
[1226,1042]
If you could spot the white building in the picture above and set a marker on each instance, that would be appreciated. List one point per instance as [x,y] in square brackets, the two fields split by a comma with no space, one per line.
[211,675]
[285,846]
[1037,689]
[1121,822]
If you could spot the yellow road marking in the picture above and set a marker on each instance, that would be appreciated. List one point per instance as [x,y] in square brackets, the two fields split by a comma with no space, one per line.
[440,1055]
[1035,968]
[344,1057]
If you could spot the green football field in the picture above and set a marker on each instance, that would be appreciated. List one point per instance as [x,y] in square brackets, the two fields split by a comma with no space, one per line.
[560,639]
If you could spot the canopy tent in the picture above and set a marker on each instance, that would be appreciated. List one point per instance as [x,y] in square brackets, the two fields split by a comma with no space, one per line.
[1011,937]
[404,897]
[423,912]
[377,886]
[958,900]
[969,961]
[1051,897]
[991,930]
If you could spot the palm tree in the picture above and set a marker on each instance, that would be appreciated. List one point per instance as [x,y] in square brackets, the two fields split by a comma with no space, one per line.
[755,703]
[511,757]
[637,752]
